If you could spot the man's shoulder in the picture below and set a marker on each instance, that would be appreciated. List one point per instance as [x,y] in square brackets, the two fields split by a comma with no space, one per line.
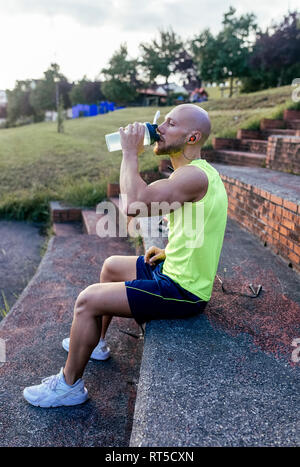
[190,173]
[191,179]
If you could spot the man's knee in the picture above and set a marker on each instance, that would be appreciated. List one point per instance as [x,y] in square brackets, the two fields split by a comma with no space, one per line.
[109,269]
[85,302]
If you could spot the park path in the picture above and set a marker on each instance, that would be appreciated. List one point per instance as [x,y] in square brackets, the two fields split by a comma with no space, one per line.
[33,332]
[20,245]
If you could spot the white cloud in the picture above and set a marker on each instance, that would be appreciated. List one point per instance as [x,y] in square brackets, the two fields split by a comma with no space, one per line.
[81,35]
[88,12]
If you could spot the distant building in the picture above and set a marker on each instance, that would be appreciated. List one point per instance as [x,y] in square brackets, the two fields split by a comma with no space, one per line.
[3,106]
[3,98]
[156,95]
[176,89]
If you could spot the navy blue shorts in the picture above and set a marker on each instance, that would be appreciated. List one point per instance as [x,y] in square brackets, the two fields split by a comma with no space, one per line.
[153,295]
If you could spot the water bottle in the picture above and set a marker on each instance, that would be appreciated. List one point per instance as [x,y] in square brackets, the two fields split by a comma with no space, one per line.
[113,140]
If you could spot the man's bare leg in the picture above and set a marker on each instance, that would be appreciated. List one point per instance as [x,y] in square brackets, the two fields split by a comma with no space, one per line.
[105,325]
[116,269]
[95,301]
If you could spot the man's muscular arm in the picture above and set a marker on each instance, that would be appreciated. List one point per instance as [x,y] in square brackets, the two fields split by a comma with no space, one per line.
[184,185]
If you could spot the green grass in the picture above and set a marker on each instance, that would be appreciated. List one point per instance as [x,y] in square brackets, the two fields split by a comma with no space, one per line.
[4,311]
[38,165]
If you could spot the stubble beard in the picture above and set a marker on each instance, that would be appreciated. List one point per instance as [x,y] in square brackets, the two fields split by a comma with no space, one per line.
[170,150]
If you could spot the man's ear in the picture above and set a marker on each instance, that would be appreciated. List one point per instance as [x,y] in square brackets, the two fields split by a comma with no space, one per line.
[195,137]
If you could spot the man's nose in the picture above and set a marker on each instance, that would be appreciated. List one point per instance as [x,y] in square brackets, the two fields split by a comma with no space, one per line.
[160,128]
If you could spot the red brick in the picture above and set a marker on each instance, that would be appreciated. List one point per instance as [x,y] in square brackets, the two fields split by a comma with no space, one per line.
[113,189]
[294,258]
[283,231]
[276,200]
[288,224]
[297,249]
[265,194]
[289,215]
[290,205]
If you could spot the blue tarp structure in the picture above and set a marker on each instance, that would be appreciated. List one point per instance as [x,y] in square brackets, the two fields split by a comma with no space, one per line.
[82,110]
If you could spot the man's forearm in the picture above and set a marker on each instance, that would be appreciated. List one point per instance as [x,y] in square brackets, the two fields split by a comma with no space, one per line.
[131,183]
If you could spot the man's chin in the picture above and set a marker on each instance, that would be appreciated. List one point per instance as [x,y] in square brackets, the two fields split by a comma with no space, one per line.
[159,151]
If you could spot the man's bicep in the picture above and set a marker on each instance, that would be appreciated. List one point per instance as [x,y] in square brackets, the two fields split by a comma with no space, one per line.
[175,189]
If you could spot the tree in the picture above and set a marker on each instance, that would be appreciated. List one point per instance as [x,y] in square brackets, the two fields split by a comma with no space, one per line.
[162,57]
[185,67]
[225,56]
[18,102]
[86,92]
[44,96]
[204,50]
[3,111]
[120,76]
[275,59]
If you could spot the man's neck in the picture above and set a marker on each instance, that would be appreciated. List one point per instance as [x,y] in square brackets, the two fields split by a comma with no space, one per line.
[181,159]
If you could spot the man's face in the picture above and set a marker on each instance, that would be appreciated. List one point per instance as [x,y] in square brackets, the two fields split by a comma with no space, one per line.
[173,136]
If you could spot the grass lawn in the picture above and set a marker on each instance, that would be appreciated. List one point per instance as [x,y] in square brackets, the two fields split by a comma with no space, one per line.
[37,164]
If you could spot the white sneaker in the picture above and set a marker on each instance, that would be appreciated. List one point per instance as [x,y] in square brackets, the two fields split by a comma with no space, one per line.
[54,392]
[101,352]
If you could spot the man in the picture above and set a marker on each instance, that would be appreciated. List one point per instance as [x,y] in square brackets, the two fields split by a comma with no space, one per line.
[175,283]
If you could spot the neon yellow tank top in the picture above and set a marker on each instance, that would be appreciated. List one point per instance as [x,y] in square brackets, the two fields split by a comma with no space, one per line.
[196,233]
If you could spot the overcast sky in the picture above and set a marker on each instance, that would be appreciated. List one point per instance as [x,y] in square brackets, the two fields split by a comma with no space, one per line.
[82,35]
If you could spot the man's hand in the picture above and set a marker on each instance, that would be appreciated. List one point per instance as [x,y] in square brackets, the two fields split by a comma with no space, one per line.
[132,138]
[154,255]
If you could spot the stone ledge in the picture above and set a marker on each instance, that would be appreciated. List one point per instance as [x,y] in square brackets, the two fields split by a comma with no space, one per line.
[61,212]
[207,383]
[224,378]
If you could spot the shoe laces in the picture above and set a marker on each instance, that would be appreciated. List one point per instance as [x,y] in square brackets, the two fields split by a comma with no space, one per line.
[51,381]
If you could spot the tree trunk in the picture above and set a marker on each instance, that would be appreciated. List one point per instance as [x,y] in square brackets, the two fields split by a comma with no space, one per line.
[230,86]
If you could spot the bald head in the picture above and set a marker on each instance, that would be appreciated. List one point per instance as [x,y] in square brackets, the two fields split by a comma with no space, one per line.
[192,118]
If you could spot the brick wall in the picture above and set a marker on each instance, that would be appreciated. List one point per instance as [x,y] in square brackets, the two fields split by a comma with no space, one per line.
[291,115]
[62,213]
[270,123]
[274,220]
[236,144]
[249,134]
[283,154]
[226,143]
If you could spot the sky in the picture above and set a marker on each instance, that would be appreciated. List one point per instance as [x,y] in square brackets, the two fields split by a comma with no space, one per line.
[82,35]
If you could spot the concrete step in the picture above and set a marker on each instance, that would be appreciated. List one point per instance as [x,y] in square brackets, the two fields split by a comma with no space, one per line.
[271,123]
[149,229]
[291,115]
[264,135]
[282,132]
[226,378]
[241,158]
[61,212]
[89,221]
[293,124]
[65,229]
[255,146]
[33,332]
